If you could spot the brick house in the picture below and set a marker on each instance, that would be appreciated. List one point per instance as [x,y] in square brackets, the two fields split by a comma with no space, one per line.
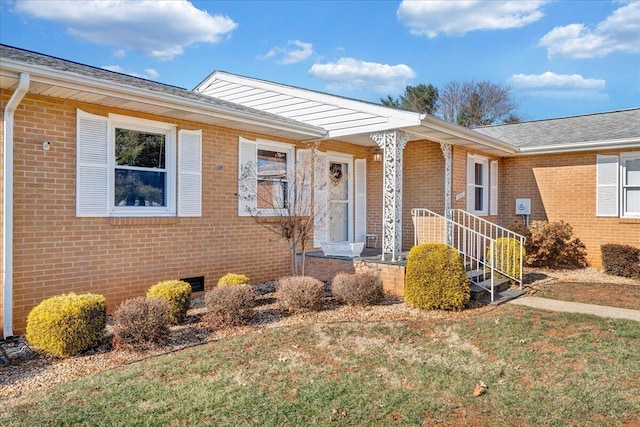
[112,183]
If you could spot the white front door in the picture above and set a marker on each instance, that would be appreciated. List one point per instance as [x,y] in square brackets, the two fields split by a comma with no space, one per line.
[340,198]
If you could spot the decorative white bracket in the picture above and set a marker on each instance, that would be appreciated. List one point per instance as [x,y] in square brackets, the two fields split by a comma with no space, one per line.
[392,143]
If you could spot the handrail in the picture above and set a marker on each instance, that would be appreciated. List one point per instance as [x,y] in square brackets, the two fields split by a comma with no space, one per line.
[474,238]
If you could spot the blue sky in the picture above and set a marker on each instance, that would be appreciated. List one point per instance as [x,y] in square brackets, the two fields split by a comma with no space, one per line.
[560,58]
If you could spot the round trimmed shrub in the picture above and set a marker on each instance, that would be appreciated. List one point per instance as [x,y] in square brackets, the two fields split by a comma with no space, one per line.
[435,278]
[177,293]
[230,305]
[506,255]
[141,322]
[233,279]
[357,289]
[67,324]
[299,293]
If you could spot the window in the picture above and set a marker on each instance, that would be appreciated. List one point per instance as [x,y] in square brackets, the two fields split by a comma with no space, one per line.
[127,167]
[264,172]
[482,185]
[144,166]
[630,184]
[618,185]
[273,181]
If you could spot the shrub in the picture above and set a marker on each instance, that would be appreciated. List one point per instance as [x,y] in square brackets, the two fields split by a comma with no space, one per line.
[551,245]
[297,293]
[177,293]
[621,260]
[230,305]
[232,279]
[141,322]
[357,289]
[506,255]
[67,324]
[435,278]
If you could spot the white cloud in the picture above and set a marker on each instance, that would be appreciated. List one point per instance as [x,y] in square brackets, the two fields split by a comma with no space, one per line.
[552,85]
[120,53]
[290,55]
[618,33]
[350,73]
[457,18]
[149,73]
[160,29]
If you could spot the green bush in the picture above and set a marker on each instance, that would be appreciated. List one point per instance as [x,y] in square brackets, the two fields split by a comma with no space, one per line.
[67,324]
[141,322]
[233,279]
[621,260]
[230,305]
[506,255]
[357,289]
[435,278]
[299,293]
[177,293]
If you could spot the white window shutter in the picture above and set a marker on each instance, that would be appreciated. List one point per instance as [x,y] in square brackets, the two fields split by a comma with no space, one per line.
[92,165]
[360,225]
[303,182]
[493,202]
[190,173]
[247,177]
[320,204]
[607,185]
[471,180]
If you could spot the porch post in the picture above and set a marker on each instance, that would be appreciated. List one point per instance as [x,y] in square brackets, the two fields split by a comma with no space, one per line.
[448,165]
[392,143]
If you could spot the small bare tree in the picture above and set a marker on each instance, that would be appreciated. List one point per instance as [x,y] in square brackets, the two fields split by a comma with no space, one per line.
[284,202]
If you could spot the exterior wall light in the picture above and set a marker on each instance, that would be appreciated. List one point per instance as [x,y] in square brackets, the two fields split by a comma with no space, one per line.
[377,155]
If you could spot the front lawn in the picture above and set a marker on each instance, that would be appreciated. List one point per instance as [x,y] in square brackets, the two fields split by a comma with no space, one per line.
[541,368]
[610,294]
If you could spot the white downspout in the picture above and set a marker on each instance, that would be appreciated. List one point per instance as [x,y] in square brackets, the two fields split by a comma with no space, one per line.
[7,202]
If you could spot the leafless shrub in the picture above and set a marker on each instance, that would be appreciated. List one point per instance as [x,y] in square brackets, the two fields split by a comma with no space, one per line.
[141,323]
[358,289]
[230,306]
[299,293]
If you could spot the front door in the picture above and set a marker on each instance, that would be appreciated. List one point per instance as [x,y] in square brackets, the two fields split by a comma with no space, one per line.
[340,198]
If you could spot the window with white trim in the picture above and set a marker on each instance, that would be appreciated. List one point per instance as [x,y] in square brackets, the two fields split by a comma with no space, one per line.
[144,166]
[127,167]
[618,185]
[265,169]
[482,185]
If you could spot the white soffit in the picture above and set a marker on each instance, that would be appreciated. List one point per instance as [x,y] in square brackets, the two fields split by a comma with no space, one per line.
[339,116]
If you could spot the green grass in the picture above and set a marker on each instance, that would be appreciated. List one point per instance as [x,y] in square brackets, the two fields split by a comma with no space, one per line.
[541,369]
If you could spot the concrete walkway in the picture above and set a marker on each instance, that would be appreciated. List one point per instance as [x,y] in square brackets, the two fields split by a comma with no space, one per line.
[577,307]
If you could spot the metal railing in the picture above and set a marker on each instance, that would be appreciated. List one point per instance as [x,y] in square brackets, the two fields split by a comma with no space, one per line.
[476,239]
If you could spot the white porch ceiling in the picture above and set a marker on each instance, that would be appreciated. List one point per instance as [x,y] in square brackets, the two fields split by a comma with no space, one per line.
[345,119]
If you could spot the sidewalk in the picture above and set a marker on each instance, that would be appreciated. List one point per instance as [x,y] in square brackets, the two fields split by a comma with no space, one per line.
[577,307]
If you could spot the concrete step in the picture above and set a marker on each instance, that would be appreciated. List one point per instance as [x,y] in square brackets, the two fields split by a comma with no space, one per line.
[499,285]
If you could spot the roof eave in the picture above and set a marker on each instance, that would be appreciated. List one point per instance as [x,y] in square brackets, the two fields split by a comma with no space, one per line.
[48,75]
[612,144]
[468,134]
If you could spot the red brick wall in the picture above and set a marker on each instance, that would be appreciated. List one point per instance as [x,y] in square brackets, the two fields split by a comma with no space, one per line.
[55,252]
[563,187]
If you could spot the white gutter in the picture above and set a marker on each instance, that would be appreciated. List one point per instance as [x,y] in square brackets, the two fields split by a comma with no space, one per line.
[72,80]
[7,202]
[611,144]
